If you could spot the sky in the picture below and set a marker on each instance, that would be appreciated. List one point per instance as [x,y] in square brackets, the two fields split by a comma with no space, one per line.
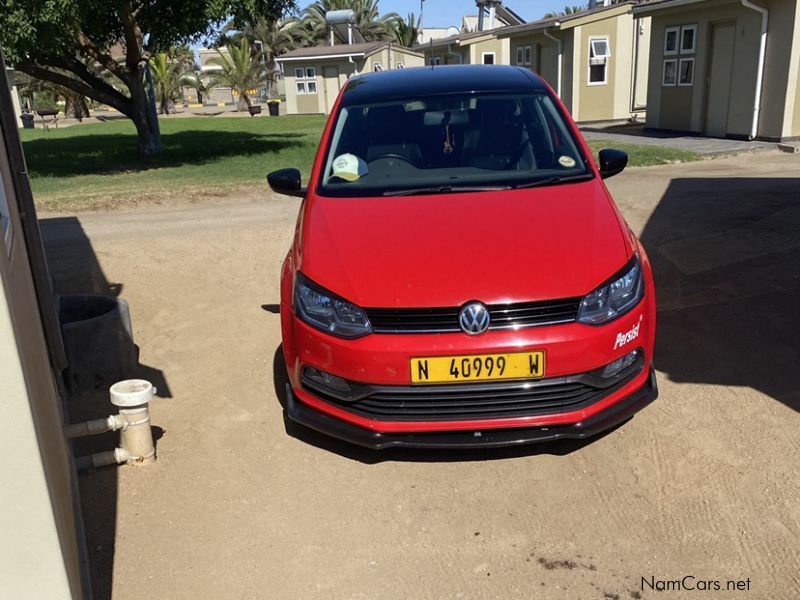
[443,13]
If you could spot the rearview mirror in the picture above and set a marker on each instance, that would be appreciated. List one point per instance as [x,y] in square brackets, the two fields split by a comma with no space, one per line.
[286,181]
[612,162]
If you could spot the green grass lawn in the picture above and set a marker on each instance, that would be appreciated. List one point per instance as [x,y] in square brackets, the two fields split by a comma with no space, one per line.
[646,156]
[97,165]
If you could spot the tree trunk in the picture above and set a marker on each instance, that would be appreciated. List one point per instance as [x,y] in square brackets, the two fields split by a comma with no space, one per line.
[244,102]
[75,107]
[144,117]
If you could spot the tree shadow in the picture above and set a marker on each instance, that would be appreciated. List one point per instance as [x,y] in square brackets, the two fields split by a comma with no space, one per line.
[368,456]
[105,154]
[726,258]
[75,269]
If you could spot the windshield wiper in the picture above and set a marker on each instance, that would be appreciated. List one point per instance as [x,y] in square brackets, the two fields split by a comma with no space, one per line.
[446,189]
[555,180]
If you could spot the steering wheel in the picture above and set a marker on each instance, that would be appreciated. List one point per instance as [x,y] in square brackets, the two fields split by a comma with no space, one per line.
[394,155]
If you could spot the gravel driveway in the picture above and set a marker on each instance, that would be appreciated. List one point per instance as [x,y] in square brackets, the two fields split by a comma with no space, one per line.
[702,483]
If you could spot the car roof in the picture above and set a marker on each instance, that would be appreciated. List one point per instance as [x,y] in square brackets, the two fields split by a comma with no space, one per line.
[371,88]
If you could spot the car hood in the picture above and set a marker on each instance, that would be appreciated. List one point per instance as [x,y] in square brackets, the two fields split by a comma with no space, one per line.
[443,250]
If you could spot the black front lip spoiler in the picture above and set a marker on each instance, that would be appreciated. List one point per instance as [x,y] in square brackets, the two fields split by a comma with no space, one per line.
[490,438]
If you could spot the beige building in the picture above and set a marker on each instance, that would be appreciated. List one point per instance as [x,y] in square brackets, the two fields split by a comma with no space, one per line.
[596,60]
[42,548]
[478,48]
[313,76]
[724,68]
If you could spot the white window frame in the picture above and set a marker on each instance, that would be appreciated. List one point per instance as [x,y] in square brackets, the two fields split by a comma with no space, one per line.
[299,73]
[485,54]
[311,72]
[377,67]
[300,87]
[309,83]
[678,73]
[399,65]
[528,56]
[674,61]
[693,29]
[677,31]
[598,60]
[520,55]
[304,77]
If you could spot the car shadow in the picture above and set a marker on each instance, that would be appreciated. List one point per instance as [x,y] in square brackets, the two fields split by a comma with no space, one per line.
[726,259]
[370,457]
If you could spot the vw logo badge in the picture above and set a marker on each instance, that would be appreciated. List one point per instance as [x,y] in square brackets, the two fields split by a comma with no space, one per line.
[474,318]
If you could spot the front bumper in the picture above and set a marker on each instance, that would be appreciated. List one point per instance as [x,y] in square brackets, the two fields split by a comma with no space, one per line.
[490,438]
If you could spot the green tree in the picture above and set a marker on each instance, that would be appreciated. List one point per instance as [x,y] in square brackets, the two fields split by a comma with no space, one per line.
[568,10]
[100,48]
[270,37]
[406,33]
[171,73]
[240,69]
[373,26]
[75,106]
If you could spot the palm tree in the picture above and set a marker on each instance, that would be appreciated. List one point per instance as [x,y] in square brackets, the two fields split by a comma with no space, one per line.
[373,26]
[239,69]
[406,32]
[171,74]
[568,10]
[271,38]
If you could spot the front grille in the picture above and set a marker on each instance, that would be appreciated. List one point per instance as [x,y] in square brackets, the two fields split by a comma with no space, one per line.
[481,401]
[443,320]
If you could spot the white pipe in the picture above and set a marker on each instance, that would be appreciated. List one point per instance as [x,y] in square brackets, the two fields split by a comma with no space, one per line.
[492,12]
[349,33]
[547,34]
[762,54]
[110,423]
[133,397]
[117,456]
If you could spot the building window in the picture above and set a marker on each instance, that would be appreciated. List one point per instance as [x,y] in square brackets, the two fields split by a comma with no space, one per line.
[487,58]
[686,72]
[688,39]
[436,60]
[376,66]
[528,56]
[599,53]
[520,55]
[671,40]
[669,75]
[306,80]
[400,66]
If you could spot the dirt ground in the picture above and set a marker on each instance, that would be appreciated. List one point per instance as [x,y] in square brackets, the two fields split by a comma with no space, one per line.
[703,483]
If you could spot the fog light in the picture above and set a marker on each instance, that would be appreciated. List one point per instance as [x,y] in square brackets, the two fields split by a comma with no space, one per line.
[619,365]
[326,381]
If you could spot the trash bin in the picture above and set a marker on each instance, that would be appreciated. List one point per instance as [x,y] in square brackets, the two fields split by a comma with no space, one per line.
[98,341]
[274,108]
[27,120]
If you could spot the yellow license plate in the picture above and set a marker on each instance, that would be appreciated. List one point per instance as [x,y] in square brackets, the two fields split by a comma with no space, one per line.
[483,367]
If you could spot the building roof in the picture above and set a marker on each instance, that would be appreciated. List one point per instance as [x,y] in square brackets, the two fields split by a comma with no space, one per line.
[414,82]
[458,39]
[339,50]
[567,21]
[653,5]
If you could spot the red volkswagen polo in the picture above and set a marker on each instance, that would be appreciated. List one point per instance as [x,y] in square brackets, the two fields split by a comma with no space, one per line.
[460,274]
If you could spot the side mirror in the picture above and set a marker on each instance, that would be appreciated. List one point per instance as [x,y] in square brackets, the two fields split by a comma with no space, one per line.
[286,181]
[612,162]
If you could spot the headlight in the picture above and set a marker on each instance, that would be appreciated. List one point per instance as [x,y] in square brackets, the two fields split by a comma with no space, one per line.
[326,311]
[615,298]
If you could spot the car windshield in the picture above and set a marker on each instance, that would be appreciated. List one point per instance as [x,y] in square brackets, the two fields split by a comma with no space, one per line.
[450,143]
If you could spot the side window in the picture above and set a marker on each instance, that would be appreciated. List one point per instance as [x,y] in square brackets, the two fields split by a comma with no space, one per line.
[488,58]
[376,66]
[679,40]
[599,53]
[5,216]
[305,80]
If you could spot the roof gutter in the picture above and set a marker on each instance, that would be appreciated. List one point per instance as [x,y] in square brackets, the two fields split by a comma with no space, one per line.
[762,54]
[549,35]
